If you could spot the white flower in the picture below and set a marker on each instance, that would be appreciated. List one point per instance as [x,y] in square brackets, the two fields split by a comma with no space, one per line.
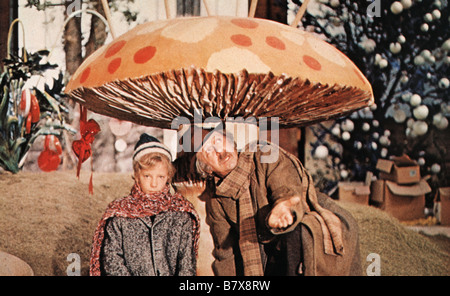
[428,17]
[420,128]
[334,3]
[395,47]
[366,127]
[425,53]
[377,59]
[399,116]
[396,7]
[383,63]
[436,14]
[410,122]
[321,152]
[406,96]
[406,4]
[345,136]
[437,3]
[415,100]
[420,112]
[384,140]
[336,131]
[401,39]
[446,45]
[368,45]
[435,168]
[440,121]
[424,27]
[444,83]
[347,125]
[421,161]
[419,60]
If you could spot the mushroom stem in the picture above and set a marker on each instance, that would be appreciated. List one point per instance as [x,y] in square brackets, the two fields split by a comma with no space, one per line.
[300,13]
[252,10]
[108,18]
[166,5]
[208,12]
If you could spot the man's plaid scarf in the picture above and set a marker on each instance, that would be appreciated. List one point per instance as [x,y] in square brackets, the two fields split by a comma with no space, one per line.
[138,205]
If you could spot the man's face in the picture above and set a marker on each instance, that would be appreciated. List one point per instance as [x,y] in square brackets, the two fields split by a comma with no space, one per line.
[219,153]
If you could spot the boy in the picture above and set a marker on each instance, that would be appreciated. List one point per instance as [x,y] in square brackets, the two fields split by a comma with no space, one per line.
[151,231]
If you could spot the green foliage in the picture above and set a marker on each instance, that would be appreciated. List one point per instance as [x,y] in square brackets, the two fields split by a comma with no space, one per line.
[15,139]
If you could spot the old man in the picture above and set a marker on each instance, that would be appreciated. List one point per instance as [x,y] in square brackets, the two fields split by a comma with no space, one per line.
[266,218]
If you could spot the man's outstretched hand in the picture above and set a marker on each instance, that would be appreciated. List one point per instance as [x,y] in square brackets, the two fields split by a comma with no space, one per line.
[281,214]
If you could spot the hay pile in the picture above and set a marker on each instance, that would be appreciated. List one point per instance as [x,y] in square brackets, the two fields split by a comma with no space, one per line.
[46,216]
[402,251]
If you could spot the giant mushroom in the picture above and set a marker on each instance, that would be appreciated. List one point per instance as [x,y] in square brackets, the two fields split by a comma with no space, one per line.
[224,66]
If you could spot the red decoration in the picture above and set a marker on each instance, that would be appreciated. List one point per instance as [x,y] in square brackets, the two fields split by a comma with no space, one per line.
[29,106]
[49,159]
[82,148]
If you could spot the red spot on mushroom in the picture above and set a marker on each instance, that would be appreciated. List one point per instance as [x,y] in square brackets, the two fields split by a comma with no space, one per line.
[114,65]
[144,54]
[85,74]
[244,23]
[114,48]
[312,62]
[241,40]
[275,42]
[360,76]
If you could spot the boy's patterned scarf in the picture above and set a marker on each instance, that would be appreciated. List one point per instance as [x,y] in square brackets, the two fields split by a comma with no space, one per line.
[138,205]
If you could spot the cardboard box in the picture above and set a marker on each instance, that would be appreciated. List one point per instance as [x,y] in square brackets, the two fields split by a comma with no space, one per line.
[357,192]
[442,204]
[404,202]
[401,170]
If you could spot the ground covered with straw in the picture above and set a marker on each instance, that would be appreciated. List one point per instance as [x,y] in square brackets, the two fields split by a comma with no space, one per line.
[44,217]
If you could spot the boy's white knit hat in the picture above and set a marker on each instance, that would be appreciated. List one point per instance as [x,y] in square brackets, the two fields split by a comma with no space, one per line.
[148,144]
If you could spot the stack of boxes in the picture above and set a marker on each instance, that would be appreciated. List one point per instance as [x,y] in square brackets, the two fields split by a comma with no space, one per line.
[357,192]
[400,190]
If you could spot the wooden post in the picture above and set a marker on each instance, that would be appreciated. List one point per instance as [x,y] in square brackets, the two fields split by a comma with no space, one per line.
[8,13]
[253,6]
[108,18]
[300,14]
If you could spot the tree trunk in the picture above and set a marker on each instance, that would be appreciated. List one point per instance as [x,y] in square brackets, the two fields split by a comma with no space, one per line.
[188,7]
[97,36]
[72,42]
[275,10]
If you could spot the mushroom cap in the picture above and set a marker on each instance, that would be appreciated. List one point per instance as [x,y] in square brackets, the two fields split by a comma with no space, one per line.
[224,66]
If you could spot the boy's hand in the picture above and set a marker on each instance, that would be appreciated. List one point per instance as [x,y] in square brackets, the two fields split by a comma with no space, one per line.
[281,214]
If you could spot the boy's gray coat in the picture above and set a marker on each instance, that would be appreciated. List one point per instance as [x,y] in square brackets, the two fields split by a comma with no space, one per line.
[159,245]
